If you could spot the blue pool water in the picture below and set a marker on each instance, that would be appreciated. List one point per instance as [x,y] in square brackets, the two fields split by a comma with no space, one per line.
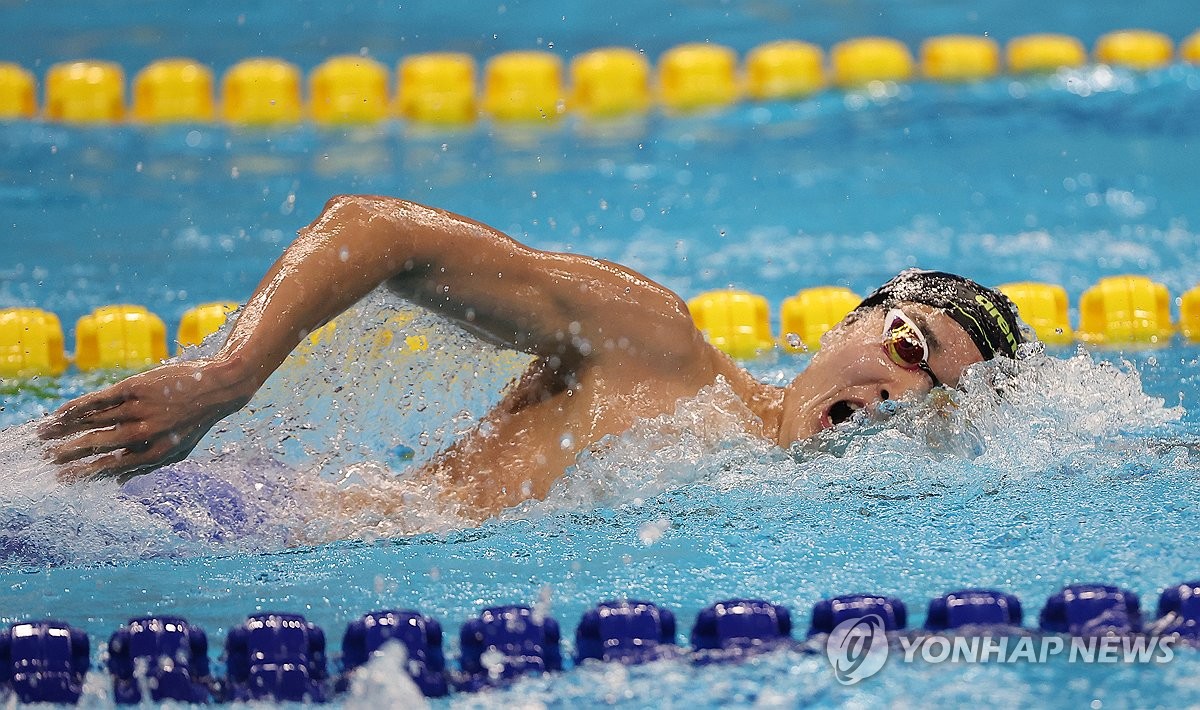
[1085,472]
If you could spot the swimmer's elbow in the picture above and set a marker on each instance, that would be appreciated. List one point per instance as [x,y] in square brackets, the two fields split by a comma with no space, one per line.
[366,219]
[341,212]
[389,216]
[359,208]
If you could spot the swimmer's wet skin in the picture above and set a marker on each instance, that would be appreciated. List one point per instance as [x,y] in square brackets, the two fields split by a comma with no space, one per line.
[610,347]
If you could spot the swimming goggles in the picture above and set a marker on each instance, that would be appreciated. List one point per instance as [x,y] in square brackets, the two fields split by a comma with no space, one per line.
[905,344]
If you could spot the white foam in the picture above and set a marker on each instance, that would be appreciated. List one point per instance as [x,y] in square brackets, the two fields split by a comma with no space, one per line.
[383,682]
[46,522]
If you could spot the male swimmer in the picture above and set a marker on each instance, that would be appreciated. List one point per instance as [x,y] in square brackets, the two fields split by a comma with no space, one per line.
[610,347]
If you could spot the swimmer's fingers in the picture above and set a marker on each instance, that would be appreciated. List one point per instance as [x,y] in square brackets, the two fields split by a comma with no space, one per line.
[101,419]
[92,443]
[90,411]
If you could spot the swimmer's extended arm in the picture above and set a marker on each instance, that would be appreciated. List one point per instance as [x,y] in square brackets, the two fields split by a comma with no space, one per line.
[539,302]
[556,305]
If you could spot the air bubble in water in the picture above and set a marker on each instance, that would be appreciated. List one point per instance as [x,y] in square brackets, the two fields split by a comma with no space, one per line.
[652,531]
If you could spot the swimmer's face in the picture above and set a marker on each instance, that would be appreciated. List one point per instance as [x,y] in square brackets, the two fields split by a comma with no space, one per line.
[853,370]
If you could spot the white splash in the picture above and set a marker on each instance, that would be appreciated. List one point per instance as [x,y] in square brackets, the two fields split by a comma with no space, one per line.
[383,682]
[705,434]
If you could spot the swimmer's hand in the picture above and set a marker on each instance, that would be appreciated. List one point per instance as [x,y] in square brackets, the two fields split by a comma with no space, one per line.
[146,421]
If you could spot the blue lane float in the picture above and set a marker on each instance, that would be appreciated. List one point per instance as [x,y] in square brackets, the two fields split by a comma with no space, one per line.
[973,608]
[164,655]
[626,632]
[828,613]
[505,642]
[734,627]
[277,657]
[282,657]
[1092,610]
[44,662]
[419,635]
[1179,612]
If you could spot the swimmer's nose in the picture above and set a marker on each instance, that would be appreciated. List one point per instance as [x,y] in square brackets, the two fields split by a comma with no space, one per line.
[906,384]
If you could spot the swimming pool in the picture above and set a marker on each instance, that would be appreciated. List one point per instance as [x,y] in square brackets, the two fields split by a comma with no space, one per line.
[1085,474]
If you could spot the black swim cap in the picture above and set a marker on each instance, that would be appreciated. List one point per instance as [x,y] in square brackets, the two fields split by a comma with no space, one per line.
[987,315]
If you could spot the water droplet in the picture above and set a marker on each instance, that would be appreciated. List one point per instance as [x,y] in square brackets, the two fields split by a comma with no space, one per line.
[795,342]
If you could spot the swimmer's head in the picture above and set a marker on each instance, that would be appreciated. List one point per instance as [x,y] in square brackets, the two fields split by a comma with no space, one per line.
[987,315]
[920,330]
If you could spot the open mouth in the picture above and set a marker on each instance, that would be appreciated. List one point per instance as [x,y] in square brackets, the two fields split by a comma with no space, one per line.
[841,411]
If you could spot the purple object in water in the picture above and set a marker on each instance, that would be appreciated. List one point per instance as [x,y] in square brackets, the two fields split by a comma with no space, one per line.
[420,635]
[741,624]
[277,657]
[625,631]
[44,661]
[522,642]
[1179,612]
[196,503]
[828,613]
[165,654]
[973,607]
[1092,610]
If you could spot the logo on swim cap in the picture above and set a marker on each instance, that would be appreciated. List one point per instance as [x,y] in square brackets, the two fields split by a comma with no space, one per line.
[1001,321]
[857,648]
